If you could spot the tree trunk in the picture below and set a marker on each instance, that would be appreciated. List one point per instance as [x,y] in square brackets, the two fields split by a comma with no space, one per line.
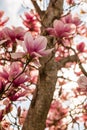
[40,104]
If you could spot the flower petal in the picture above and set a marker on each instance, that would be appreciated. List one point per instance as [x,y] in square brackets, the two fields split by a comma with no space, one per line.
[2,41]
[40,43]
[28,41]
[58,26]
[46,52]
[51,31]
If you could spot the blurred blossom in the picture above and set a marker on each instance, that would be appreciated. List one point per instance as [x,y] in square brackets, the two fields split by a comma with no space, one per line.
[32,21]
[5,125]
[70,2]
[82,81]
[22,116]
[11,35]
[55,115]
[82,88]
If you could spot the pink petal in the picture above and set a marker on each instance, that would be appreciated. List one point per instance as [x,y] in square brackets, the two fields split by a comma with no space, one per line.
[71,28]
[8,32]
[35,54]
[28,40]
[46,52]
[58,26]
[51,31]
[40,43]
[2,41]
[4,74]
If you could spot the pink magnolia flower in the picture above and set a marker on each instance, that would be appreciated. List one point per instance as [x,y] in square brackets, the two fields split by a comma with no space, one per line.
[32,21]
[35,47]
[15,70]
[61,29]
[74,19]
[9,36]
[12,74]
[13,34]
[71,19]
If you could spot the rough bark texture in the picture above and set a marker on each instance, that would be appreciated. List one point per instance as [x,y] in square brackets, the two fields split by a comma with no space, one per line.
[40,105]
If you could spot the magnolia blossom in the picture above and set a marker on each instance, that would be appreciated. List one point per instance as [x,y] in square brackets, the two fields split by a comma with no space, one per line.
[12,74]
[15,33]
[61,29]
[33,47]
[66,27]
[32,21]
[14,82]
[10,35]
[71,19]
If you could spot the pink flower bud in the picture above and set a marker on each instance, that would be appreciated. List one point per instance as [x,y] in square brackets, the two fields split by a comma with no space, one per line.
[80,47]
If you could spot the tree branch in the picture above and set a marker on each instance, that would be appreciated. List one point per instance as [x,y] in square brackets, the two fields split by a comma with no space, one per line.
[73,58]
[37,8]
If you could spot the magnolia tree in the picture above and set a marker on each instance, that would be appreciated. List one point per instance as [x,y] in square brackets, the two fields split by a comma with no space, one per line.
[45,62]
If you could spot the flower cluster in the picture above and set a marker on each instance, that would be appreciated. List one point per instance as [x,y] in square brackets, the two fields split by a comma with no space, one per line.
[56,115]
[12,79]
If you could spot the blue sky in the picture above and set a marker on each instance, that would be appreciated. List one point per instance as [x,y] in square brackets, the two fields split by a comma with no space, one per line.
[13,9]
